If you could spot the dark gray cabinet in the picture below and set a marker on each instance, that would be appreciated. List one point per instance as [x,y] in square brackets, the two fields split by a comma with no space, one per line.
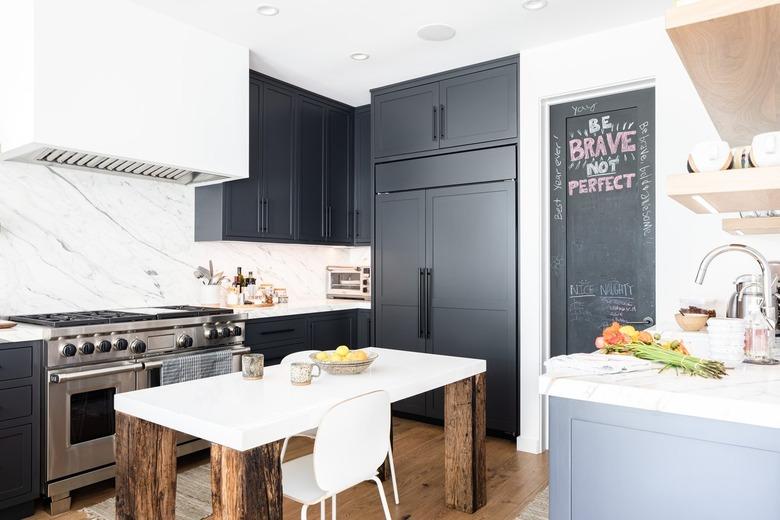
[20,405]
[329,330]
[311,170]
[458,108]
[445,283]
[338,176]
[277,162]
[364,329]
[363,186]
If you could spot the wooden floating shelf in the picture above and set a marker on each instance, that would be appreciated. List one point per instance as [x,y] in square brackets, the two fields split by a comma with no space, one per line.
[752,226]
[731,49]
[751,189]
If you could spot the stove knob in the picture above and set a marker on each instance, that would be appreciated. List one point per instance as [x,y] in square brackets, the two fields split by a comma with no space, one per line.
[104,346]
[120,344]
[68,350]
[137,347]
[225,332]
[87,348]
[184,341]
[237,330]
[211,333]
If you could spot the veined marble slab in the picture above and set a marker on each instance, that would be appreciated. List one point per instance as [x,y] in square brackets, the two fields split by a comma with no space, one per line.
[303,307]
[750,394]
[22,332]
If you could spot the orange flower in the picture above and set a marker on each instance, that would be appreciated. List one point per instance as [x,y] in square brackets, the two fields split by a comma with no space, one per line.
[614,336]
[600,342]
[646,338]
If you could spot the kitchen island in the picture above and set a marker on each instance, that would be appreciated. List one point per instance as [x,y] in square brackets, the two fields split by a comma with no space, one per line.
[650,446]
[246,420]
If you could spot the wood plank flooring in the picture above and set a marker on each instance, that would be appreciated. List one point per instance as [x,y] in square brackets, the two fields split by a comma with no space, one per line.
[513,479]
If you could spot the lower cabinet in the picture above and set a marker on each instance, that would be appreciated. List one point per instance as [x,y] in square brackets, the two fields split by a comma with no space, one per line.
[20,430]
[329,330]
[363,336]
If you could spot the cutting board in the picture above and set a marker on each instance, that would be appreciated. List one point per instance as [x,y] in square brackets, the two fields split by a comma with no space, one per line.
[7,324]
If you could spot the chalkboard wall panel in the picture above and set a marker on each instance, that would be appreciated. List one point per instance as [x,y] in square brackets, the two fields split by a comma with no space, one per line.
[602,221]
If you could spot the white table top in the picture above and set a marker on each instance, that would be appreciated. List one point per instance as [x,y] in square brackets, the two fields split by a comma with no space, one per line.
[750,394]
[242,414]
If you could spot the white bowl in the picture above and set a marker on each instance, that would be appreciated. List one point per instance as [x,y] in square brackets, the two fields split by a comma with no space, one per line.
[728,323]
[765,150]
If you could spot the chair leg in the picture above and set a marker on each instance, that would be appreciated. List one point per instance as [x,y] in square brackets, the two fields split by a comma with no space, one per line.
[284,449]
[382,497]
[322,509]
[392,476]
[333,507]
[304,507]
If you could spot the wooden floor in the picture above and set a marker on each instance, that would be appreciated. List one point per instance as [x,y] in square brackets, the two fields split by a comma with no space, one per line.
[514,478]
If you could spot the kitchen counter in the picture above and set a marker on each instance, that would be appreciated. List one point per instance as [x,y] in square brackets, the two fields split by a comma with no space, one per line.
[303,307]
[22,332]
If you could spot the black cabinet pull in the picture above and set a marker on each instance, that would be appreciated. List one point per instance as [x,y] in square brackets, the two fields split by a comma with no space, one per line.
[260,215]
[330,221]
[278,331]
[421,305]
[442,122]
[267,216]
[357,223]
[429,298]
[435,133]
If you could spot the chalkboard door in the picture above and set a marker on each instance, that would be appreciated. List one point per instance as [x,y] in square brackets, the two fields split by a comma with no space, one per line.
[602,221]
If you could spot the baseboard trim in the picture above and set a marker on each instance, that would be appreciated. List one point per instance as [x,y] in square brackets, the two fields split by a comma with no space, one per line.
[529,445]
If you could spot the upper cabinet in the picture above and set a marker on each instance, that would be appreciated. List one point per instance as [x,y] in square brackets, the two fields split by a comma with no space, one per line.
[731,50]
[363,185]
[300,173]
[461,108]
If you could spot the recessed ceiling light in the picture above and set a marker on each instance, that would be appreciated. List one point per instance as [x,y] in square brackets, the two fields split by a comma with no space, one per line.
[535,5]
[359,56]
[267,10]
[436,32]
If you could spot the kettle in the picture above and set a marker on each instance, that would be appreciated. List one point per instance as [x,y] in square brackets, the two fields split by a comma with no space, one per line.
[747,296]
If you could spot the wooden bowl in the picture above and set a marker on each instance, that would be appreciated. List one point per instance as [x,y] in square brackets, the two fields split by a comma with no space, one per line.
[691,322]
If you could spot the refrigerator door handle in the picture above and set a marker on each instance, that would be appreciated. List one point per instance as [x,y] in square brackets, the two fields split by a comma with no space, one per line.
[429,302]
[421,305]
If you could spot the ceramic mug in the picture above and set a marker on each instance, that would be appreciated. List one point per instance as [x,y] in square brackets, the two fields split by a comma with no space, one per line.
[252,366]
[710,156]
[301,373]
[765,150]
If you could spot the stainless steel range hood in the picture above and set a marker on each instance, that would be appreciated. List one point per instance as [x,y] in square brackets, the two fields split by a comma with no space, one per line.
[82,89]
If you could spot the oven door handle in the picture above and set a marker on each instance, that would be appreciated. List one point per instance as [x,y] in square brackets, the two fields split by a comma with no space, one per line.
[151,365]
[86,374]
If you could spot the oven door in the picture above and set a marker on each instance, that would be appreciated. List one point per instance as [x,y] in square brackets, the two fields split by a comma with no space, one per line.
[80,413]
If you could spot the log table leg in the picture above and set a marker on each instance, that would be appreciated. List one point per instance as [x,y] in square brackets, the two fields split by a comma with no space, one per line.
[464,444]
[145,470]
[246,484]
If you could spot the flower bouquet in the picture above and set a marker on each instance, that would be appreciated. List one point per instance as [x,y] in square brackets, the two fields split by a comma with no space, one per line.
[617,339]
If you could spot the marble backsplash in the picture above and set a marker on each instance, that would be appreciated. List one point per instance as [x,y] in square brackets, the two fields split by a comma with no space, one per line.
[74,240]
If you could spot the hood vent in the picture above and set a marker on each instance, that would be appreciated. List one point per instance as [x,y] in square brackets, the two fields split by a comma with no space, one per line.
[129,167]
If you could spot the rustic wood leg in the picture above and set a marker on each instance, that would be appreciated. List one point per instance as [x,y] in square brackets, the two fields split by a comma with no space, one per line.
[145,470]
[384,470]
[246,484]
[464,444]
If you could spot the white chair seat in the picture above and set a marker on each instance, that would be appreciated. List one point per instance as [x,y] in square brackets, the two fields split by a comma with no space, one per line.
[298,481]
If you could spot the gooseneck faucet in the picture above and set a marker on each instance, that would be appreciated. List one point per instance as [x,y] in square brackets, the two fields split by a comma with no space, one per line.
[769,305]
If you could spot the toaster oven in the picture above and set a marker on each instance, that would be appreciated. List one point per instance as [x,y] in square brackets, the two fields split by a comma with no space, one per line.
[351,282]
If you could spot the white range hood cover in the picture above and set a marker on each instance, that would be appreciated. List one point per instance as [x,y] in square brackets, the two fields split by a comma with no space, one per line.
[109,85]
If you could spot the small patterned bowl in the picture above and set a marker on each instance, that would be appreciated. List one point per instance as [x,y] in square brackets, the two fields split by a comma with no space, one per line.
[345,367]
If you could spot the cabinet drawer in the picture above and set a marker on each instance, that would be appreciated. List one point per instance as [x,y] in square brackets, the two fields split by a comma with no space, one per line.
[15,402]
[275,353]
[16,363]
[273,331]
[15,461]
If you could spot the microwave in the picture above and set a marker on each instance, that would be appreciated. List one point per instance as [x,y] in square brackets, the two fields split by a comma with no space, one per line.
[351,282]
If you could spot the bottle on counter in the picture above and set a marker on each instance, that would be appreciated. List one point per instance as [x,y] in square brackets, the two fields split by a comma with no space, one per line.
[251,287]
[239,281]
[759,339]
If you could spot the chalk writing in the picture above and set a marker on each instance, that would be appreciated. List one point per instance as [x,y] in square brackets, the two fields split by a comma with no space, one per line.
[580,109]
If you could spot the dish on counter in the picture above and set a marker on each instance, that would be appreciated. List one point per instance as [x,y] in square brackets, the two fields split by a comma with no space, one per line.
[691,322]
[343,360]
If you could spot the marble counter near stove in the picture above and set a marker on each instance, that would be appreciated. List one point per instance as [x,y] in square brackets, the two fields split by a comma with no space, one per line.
[21,332]
[302,307]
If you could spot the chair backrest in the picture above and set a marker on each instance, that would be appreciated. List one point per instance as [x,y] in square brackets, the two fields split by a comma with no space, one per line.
[353,439]
[303,355]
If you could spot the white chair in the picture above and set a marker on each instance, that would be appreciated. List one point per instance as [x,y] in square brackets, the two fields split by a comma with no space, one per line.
[353,439]
[312,434]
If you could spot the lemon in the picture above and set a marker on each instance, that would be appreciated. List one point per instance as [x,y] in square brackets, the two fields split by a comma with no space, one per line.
[321,356]
[342,350]
[357,355]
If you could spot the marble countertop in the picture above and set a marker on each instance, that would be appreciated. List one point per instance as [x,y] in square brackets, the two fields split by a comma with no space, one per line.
[750,394]
[21,332]
[243,414]
[303,307]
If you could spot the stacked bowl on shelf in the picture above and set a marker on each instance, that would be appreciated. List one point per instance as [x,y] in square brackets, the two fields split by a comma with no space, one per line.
[727,340]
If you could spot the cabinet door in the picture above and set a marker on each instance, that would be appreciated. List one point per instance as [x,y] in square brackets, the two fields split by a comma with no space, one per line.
[327,333]
[16,456]
[363,338]
[364,193]
[400,256]
[339,176]
[479,107]
[472,288]
[242,197]
[406,121]
[311,174]
[278,178]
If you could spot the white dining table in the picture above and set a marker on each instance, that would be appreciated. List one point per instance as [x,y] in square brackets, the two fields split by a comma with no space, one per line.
[246,421]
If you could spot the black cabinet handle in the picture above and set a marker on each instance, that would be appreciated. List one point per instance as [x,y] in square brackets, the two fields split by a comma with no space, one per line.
[435,133]
[266,218]
[442,122]
[357,223]
[330,221]
[324,223]
[260,215]
[278,331]
[429,297]
[421,305]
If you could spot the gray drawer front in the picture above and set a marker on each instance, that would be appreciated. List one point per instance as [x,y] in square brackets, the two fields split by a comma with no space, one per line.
[15,402]
[16,363]
[274,331]
[16,454]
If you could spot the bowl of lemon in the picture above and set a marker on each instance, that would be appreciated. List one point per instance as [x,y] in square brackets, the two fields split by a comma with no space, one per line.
[343,360]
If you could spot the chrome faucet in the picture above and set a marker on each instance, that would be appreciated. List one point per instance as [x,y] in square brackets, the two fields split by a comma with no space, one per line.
[769,305]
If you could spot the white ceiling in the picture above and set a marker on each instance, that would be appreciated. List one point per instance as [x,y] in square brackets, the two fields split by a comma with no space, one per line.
[309,42]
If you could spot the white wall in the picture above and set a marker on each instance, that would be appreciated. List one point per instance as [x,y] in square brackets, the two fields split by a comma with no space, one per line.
[682,238]
[74,240]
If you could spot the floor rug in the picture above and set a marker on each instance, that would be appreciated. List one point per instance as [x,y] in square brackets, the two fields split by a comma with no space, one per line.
[539,507]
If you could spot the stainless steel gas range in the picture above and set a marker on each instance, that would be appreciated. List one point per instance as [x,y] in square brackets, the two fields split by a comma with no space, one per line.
[92,356]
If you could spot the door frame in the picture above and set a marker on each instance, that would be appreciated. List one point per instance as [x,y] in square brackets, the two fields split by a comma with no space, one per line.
[544,271]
